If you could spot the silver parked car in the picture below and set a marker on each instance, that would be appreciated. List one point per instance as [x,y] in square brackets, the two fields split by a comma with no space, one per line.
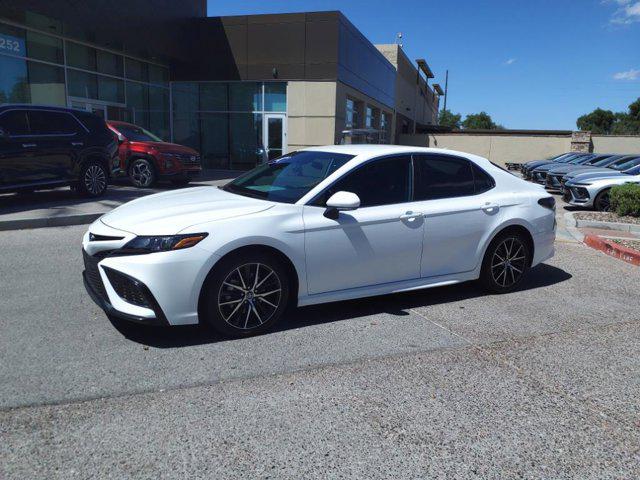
[594,192]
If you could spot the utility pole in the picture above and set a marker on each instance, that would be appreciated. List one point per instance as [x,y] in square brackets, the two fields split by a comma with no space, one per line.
[446,89]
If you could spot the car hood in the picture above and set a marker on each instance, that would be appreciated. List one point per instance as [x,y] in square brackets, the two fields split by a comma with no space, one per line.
[588,177]
[165,147]
[537,163]
[568,168]
[171,212]
[599,171]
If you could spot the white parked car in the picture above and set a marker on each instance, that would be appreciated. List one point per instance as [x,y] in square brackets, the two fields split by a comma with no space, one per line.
[591,191]
[318,225]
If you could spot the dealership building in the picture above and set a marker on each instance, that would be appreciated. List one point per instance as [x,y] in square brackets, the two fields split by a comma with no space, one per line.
[238,89]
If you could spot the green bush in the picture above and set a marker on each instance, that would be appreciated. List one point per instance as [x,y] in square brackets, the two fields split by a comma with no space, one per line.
[625,199]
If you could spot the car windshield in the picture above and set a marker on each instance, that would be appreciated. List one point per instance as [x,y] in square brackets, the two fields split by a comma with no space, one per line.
[568,158]
[136,134]
[633,171]
[602,162]
[288,178]
[581,159]
[627,164]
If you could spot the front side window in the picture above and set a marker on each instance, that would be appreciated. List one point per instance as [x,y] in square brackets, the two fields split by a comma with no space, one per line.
[384,181]
[14,122]
[287,179]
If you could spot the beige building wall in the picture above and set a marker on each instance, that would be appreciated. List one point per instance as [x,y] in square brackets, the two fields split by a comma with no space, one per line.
[616,143]
[519,148]
[311,114]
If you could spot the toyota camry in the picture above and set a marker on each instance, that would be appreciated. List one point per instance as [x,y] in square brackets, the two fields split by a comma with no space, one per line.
[319,225]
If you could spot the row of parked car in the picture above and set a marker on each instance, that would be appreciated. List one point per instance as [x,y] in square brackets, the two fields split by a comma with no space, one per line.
[584,179]
[45,147]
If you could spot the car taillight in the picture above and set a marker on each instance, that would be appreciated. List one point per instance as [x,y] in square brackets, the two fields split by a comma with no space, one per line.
[548,202]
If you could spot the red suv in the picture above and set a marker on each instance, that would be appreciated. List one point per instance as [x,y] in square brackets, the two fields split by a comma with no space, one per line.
[145,158]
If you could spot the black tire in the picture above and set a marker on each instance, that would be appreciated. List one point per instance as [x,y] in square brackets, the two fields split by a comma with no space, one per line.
[93,179]
[142,173]
[182,182]
[602,201]
[232,310]
[505,263]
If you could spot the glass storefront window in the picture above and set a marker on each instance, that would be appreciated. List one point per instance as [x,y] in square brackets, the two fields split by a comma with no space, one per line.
[275,97]
[82,84]
[44,47]
[109,63]
[185,97]
[159,112]
[12,40]
[213,97]
[351,118]
[13,81]
[246,140]
[110,89]
[137,70]
[214,139]
[81,56]
[138,103]
[158,75]
[46,84]
[245,97]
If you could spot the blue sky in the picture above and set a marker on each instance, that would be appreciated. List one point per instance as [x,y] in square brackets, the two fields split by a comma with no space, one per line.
[537,64]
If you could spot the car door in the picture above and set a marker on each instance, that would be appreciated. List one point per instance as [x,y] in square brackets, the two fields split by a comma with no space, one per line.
[460,209]
[379,242]
[14,148]
[57,138]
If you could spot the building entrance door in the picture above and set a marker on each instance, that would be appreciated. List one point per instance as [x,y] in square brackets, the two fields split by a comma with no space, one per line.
[274,135]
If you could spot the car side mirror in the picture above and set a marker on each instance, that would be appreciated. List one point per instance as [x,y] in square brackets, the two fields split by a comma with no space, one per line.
[121,138]
[341,201]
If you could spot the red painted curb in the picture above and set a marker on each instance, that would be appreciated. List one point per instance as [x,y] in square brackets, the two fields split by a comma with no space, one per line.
[613,249]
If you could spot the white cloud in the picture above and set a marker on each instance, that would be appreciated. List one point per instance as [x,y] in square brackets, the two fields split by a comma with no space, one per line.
[628,75]
[628,12]
[511,61]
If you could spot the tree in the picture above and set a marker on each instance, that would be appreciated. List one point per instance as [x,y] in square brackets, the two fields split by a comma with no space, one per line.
[479,121]
[598,121]
[624,124]
[449,119]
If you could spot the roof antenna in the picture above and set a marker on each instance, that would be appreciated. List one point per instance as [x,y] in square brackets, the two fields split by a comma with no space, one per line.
[399,39]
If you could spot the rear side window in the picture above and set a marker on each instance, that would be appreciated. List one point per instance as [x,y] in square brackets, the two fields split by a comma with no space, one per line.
[14,122]
[384,181]
[445,176]
[52,123]
[439,176]
[92,122]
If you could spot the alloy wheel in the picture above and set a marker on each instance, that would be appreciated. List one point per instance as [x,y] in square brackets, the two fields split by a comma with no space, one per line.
[508,262]
[95,179]
[603,202]
[141,174]
[249,296]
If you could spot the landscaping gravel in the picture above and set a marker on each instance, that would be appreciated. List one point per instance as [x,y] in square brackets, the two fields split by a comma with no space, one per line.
[633,244]
[606,217]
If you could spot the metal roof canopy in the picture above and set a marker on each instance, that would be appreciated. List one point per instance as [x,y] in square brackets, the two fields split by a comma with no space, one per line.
[422,65]
[438,89]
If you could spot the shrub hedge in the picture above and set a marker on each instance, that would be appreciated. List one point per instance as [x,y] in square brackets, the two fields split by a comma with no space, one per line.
[625,199]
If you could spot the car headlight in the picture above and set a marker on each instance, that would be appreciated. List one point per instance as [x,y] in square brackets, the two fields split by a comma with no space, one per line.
[146,244]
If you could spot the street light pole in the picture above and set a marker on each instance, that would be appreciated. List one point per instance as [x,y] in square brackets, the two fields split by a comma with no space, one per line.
[446,89]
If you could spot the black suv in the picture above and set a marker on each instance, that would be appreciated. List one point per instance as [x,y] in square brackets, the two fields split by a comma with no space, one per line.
[46,147]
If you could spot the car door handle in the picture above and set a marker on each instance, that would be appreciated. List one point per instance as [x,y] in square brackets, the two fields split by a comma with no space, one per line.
[410,215]
[77,144]
[490,208]
[28,145]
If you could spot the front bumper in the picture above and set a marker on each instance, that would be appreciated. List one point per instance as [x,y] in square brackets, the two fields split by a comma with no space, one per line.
[581,196]
[539,177]
[553,182]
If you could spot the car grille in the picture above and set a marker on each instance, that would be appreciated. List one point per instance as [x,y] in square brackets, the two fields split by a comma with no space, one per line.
[540,176]
[190,159]
[553,181]
[127,288]
[93,274]
[580,193]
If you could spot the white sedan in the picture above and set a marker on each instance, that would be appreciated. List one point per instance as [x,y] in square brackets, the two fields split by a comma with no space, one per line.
[319,225]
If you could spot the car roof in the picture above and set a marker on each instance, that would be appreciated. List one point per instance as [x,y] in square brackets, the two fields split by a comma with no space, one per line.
[369,150]
[30,106]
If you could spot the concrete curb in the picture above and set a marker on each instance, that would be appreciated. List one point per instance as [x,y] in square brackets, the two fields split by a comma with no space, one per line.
[571,227]
[27,223]
[613,249]
[620,227]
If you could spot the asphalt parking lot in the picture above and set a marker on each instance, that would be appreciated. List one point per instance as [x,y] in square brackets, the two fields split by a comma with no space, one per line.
[448,382]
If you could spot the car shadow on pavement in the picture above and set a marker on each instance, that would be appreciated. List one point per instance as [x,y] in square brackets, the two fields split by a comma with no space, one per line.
[396,304]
